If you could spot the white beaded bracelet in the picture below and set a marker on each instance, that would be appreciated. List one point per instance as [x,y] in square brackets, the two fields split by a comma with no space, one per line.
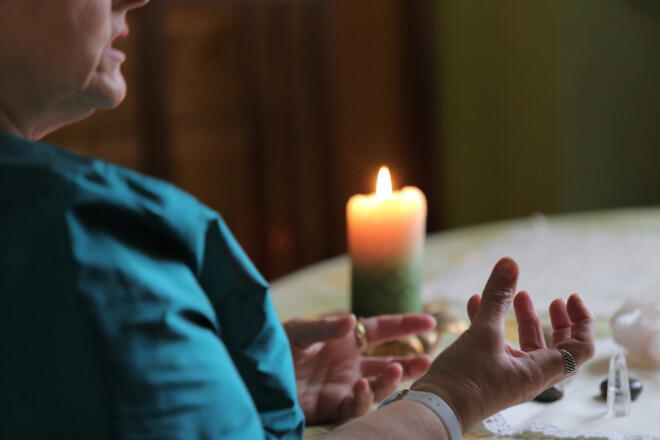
[433,401]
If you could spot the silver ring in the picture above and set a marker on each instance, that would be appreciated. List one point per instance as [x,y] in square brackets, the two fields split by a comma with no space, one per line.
[569,362]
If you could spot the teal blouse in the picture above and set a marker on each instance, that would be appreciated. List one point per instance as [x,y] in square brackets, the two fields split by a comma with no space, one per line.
[128,311]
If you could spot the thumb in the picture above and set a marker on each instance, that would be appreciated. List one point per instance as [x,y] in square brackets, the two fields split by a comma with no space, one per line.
[358,403]
[498,294]
[304,332]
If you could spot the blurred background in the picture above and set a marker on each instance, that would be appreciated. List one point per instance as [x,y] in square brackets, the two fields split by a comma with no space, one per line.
[275,112]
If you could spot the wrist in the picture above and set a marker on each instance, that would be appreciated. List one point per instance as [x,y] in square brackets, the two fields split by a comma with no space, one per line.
[455,400]
[437,405]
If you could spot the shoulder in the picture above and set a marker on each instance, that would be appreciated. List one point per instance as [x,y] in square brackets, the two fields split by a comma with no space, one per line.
[102,203]
[26,162]
[137,212]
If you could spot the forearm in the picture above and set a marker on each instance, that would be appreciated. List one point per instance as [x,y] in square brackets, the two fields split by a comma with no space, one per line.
[401,419]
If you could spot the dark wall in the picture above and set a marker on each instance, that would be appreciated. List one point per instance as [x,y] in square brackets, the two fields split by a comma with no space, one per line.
[275,112]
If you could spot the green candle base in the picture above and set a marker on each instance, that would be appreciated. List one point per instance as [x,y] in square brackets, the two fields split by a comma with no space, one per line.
[381,290]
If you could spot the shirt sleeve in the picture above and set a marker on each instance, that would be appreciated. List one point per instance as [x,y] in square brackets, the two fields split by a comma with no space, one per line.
[252,332]
[173,368]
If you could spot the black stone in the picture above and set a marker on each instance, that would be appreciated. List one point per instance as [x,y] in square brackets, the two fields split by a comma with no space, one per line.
[635,388]
[552,394]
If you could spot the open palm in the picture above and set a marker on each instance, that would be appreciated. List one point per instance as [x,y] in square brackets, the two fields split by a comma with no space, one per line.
[335,381]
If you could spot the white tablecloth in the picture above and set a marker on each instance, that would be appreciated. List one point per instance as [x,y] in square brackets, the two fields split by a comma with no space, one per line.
[581,413]
[605,265]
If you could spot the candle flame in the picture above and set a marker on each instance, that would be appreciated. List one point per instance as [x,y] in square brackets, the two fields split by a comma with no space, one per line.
[384,184]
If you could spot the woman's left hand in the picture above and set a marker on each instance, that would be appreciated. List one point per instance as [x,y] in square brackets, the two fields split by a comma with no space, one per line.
[335,381]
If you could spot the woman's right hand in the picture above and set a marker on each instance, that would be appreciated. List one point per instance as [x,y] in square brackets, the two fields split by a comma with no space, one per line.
[479,374]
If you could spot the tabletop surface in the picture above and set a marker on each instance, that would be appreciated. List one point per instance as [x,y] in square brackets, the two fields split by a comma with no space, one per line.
[609,257]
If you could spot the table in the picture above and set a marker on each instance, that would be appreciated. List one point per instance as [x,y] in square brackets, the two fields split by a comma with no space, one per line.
[607,256]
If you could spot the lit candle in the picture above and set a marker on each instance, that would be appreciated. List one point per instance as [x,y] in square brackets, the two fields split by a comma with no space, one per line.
[386,244]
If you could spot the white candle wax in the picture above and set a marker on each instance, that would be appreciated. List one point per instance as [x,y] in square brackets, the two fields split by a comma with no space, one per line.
[386,234]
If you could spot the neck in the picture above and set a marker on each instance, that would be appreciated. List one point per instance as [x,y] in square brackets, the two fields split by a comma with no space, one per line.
[8,125]
[41,125]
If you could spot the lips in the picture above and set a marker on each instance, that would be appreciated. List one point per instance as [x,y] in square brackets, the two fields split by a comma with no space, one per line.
[120,36]
[116,53]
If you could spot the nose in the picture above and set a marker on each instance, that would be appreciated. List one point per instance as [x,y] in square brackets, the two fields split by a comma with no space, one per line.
[127,5]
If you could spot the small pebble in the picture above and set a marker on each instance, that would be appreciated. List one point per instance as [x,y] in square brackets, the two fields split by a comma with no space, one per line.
[552,394]
[635,388]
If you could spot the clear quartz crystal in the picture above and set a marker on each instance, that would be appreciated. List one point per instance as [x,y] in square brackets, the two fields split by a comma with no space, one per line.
[618,387]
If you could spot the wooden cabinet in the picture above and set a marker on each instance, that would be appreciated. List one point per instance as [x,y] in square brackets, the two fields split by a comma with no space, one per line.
[274,112]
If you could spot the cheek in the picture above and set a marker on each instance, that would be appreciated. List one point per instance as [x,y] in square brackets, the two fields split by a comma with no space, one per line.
[92,30]
[72,42]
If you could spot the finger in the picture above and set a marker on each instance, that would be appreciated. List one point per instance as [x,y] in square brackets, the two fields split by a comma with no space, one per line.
[358,403]
[530,333]
[513,351]
[473,306]
[498,294]
[561,322]
[386,383]
[580,342]
[551,360]
[413,366]
[551,363]
[305,332]
[391,327]
[583,319]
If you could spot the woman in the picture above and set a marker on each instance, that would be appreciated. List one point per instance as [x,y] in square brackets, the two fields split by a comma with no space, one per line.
[129,311]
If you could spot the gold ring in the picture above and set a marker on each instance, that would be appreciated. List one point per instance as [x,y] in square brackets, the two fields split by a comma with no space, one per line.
[360,335]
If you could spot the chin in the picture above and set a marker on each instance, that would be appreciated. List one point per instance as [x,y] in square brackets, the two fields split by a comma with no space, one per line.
[107,93]
[102,95]
[110,100]
[110,103]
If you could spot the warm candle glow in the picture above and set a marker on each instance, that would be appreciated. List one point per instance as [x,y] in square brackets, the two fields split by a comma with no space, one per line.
[384,184]
[386,243]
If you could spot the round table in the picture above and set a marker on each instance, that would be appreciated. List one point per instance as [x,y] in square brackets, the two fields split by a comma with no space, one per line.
[325,287]
[607,256]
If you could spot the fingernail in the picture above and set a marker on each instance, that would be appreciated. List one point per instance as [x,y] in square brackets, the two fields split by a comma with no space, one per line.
[507,268]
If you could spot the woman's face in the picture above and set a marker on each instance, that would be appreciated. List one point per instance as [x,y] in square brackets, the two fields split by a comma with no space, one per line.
[60,59]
